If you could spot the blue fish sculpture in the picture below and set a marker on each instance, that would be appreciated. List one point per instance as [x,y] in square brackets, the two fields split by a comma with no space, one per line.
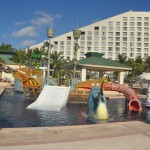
[96,105]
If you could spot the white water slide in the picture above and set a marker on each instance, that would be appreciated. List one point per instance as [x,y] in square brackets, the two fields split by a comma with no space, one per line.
[52,98]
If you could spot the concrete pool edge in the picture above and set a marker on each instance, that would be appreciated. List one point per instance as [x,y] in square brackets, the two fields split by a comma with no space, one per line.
[68,134]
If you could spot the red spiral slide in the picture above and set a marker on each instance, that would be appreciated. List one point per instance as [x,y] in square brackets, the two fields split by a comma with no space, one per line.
[133,100]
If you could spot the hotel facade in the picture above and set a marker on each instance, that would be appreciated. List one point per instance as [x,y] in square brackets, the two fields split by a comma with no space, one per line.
[127,34]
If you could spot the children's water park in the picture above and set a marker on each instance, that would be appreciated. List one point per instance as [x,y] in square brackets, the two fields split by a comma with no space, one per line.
[91,102]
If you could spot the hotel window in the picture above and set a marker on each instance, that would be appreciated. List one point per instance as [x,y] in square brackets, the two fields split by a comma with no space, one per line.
[82,43]
[146,39]
[110,28]
[117,38]
[145,55]
[103,28]
[146,50]
[124,28]
[131,54]
[82,33]
[131,49]
[139,23]
[138,54]
[124,44]
[82,37]
[61,48]
[139,19]
[110,23]
[110,54]
[138,49]
[82,48]
[139,29]
[110,39]
[146,34]
[96,43]
[89,38]
[131,44]
[68,42]
[124,33]
[131,38]
[103,43]
[124,38]
[124,18]
[131,33]
[89,43]
[68,48]
[103,33]
[89,32]
[117,43]
[146,19]
[110,33]
[146,23]
[132,19]
[96,33]
[146,29]
[96,38]
[103,38]
[96,28]
[55,42]
[89,48]
[82,54]
[124,23]
[124,49]
[131,23]
[146,44]
[110,49]
[68,53]
[110,43]
[103,48]
[139,34]
[61,42]
[68,37]
[55,48]
[138,44]
[118,24]
[131,29]
[117,33]
[117,49]
[117,28]
[96,48]
[139,39]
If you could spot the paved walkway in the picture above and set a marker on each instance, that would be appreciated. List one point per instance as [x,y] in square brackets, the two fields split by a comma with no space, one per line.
[132,135]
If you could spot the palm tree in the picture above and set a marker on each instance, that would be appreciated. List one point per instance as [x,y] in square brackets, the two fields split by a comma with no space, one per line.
[56,63]
[2,60]
[147,64]
[122,58]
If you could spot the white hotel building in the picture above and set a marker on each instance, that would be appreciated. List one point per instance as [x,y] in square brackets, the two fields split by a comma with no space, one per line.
[127,33]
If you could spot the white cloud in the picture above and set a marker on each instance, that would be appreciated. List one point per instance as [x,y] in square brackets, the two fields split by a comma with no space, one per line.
[28,43]
[29,31]
[19,23]
[44,18]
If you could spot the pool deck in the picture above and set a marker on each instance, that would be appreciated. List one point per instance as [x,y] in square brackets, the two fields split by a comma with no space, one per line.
[133,135]
[3,86]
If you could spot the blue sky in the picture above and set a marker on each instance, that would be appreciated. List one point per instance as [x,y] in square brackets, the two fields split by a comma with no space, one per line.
[25,22]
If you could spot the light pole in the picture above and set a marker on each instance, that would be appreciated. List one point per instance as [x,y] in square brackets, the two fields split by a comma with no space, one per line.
[50,34]
[76,35]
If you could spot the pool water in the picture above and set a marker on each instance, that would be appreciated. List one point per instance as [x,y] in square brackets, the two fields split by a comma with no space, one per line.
[13,113]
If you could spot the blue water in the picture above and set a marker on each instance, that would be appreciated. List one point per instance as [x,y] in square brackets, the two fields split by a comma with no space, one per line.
[13,113]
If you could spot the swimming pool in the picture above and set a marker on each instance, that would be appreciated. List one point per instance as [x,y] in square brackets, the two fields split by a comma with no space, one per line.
[13,113]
